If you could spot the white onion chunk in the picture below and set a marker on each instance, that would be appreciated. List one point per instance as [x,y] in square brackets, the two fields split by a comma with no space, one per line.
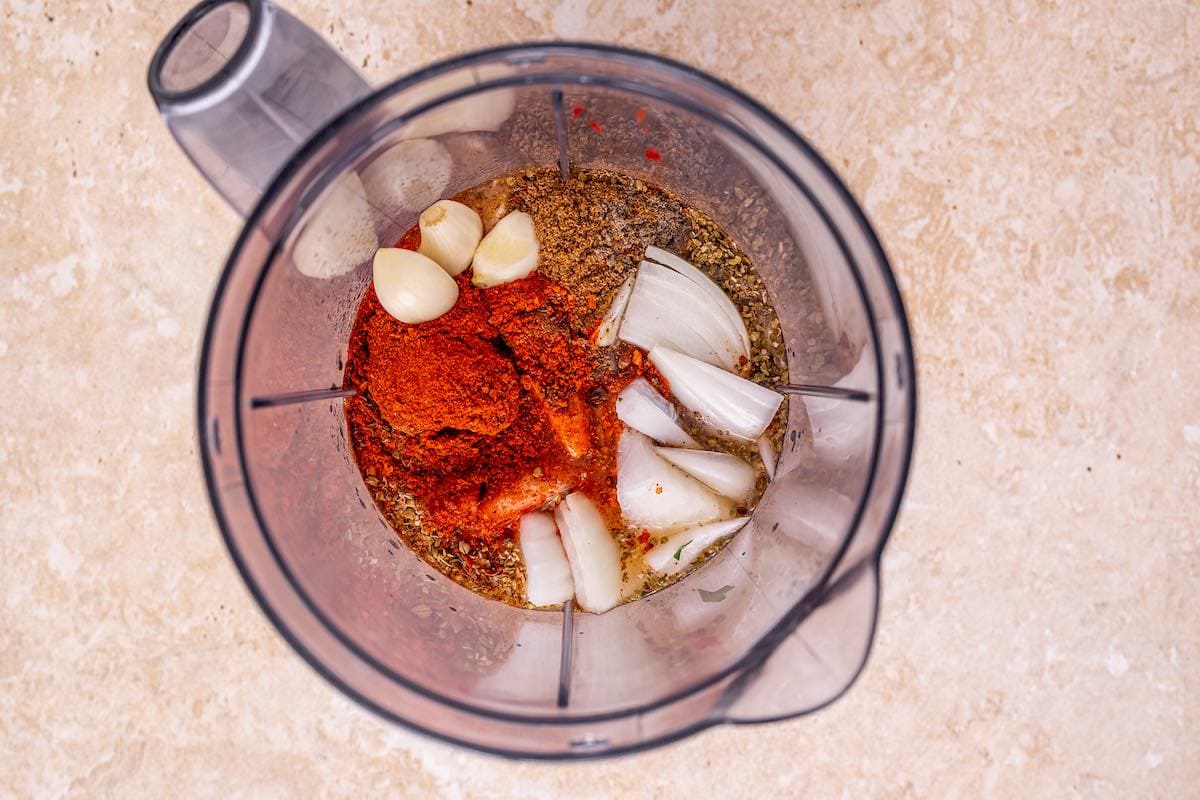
[646,411]
[727,475]
[657,496]
[592,553]
[681,549]
[734,405]
[547,573]
[606,331]
[669,308]
[689,270]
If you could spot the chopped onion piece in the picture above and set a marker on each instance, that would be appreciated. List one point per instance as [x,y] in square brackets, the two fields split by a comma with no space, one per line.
[668,308]
[547,573]
[571,425]
[767,453]
[655,495]
[725,474]
[684,547]
[667,286]
[731,404]
[592,553]
[642,408]
[606,331]
[706,283]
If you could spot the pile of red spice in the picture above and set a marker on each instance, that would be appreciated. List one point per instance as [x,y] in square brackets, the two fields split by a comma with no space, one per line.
[494,409]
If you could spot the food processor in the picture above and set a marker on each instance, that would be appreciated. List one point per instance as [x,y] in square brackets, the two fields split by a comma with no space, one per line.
[325,169]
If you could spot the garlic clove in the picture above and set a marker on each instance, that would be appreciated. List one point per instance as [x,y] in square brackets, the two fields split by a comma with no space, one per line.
[509,252]
[412,287]
[450,232]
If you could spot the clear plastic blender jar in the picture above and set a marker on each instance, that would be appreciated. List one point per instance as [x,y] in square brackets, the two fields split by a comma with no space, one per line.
[325,169]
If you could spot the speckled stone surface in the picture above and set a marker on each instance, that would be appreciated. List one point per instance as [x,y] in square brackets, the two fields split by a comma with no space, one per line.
[1035,174]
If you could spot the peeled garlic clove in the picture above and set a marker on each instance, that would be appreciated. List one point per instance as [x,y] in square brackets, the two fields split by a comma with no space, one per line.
[412,287]
[509,252]
[725,474]
[450,232]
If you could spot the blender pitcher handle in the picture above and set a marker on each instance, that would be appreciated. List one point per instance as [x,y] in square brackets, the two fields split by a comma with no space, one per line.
[242,85]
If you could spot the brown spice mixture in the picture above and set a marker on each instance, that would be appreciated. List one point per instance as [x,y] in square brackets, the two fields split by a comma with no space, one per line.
[593,229]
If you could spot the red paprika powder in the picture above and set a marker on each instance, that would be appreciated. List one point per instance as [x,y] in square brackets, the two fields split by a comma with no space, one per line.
[494,409]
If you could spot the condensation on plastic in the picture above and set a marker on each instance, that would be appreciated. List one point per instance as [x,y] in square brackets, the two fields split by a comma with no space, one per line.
[794,627]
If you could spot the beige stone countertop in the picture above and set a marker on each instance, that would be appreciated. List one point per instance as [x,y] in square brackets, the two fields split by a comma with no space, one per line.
[1034,171]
